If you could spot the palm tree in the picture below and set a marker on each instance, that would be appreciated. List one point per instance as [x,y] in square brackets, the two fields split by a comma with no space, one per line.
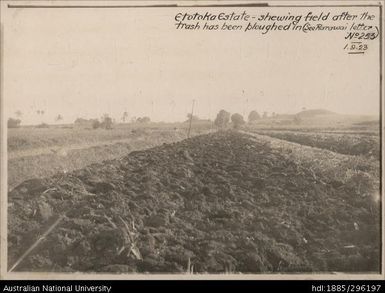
[40,112]
[125,116]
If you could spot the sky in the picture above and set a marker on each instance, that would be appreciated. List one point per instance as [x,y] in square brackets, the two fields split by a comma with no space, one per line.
[88,62]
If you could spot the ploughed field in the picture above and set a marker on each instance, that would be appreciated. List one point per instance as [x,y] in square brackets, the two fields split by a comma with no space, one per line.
[357,144]
[226,202]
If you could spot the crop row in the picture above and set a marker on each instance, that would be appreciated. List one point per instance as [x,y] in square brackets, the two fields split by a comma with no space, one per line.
[348,144]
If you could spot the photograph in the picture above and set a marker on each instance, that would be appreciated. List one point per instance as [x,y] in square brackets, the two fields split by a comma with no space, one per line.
[192,139]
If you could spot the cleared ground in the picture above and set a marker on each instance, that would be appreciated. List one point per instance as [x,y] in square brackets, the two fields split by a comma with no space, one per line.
[227,202]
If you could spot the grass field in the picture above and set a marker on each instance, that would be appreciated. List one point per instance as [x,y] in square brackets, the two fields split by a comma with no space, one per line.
[42,152]
[26,138]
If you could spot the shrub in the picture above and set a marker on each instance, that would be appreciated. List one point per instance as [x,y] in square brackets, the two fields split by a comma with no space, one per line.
[192,118]
[106,122]
[13,123]
[143,120]
[42,125]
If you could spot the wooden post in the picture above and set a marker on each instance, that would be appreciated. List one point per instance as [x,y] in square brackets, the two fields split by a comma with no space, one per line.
[192,112]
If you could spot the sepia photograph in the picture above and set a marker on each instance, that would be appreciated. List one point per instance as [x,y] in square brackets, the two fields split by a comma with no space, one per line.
[188,139]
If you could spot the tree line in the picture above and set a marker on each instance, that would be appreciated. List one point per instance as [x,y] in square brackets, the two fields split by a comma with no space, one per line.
[223,118]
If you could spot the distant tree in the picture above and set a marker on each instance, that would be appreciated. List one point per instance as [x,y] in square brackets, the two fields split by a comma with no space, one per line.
[265,115]
[194,118]
[143,119]
[95,124]
[254,116]
[81,121]
[18,113]
[59,118]
[42,125]
[222,119]
[106,122]
[237,120]
[125,116]
[13,123]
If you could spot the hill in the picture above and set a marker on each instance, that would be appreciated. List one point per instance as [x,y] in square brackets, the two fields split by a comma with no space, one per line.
[314,112]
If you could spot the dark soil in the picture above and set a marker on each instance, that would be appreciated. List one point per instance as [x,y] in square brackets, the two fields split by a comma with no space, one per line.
[348,144]
[214,203]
